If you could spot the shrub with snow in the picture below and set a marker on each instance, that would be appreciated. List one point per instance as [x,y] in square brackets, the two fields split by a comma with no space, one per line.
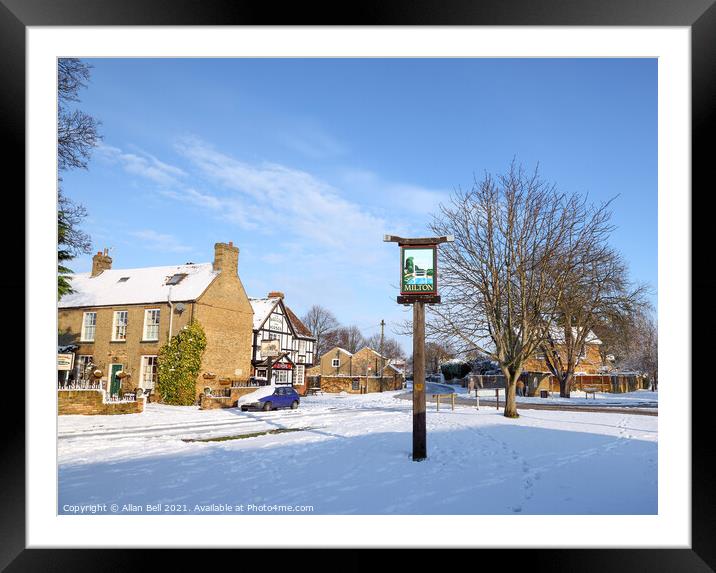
[455,368]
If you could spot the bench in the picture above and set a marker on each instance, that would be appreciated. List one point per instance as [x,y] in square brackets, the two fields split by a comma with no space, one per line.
[314,391]
[588,391]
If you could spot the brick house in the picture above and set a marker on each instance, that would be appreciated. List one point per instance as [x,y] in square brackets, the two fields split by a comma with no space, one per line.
[589,361]
[118,319]
[275,321]
[356,373]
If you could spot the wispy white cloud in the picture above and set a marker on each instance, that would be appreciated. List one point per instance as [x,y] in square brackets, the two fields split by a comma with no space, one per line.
[144,165]
[155,241]
[413,200]
[313,142]
[317,241]
[305,206]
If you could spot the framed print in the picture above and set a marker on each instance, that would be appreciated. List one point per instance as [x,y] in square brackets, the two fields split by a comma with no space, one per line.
[673,531]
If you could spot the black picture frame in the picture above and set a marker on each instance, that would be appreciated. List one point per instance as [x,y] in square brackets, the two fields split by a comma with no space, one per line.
[699,15]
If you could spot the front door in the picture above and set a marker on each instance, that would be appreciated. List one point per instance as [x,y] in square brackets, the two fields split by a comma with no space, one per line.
[114,382]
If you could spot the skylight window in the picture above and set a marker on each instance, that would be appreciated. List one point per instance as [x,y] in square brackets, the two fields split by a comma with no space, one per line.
[176,279]
[123,280]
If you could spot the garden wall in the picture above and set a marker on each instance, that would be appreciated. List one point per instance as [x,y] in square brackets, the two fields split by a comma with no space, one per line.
[91,402]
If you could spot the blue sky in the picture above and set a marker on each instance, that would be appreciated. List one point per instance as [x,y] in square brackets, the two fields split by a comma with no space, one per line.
[306,163]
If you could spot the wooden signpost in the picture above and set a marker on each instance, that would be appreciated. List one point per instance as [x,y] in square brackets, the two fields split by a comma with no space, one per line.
[418,286]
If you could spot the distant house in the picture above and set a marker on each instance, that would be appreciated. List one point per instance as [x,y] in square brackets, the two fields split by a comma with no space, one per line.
[274,321]
[589,360]
[357,373]
[118,319]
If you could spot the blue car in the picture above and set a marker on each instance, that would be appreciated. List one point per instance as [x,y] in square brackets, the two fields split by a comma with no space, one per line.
[282,397]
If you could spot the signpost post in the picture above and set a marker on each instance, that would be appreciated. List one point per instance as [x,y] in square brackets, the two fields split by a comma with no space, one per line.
[418,286]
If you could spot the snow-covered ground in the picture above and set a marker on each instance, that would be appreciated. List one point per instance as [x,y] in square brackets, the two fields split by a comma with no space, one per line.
[353,456]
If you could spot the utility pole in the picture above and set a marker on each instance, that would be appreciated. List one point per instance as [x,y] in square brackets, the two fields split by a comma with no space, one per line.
[382,365]
[418,286]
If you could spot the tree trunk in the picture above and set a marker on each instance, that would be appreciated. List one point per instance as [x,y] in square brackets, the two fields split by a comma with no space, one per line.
[565,385]
[510,393]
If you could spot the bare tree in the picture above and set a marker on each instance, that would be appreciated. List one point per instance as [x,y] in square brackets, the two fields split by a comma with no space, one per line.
[347,337]
[641,351]
[502,278]
[596,289]
[391,347]
[77,132]
[77,135]
[320,321]
[436,353]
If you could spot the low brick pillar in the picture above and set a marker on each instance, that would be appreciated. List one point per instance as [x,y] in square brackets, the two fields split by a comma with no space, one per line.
[208,402]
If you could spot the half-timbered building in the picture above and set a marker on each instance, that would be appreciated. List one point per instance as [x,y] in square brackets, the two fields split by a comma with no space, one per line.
[274,321]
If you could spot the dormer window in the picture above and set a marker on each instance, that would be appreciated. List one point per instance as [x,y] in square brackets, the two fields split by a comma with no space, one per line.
[123,280]
[176,279]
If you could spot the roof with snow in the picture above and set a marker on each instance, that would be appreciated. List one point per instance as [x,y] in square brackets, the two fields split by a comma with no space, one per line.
[343,350]
[557,333]
[371,350]
[262,308]
[139,286]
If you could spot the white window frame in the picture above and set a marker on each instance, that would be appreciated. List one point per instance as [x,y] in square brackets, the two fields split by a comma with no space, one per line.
[336,363]
[83,333]
[147,313]
[116,326]
[142,375]
[300,378]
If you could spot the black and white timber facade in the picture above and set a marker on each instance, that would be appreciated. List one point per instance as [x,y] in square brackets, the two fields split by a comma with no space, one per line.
[273,320]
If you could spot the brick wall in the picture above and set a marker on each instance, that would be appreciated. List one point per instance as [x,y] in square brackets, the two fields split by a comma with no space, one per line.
[590,364]
[226,315]
[91,402]
[337,384]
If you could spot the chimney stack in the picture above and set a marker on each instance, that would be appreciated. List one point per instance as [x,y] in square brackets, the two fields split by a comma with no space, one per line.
[101,262]
[275,294]
[226,258]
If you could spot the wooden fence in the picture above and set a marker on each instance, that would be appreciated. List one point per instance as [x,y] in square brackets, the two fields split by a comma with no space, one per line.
[536,381]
